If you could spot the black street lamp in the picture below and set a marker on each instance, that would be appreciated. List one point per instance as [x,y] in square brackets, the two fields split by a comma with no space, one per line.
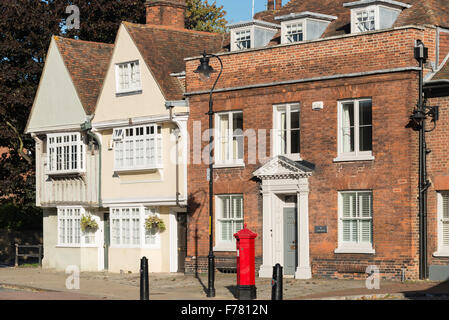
[419,116]
[205,71]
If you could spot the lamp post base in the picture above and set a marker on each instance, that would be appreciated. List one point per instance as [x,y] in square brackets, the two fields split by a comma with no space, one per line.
[211,280]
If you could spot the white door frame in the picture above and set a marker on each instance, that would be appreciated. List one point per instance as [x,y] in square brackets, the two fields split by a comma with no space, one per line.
[273,224]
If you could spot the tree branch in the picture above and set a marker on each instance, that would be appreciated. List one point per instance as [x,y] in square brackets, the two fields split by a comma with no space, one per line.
[20,147]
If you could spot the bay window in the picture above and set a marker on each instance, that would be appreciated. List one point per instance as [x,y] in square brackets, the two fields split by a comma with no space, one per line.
[229,142]
[138,147]
[229,220]
[69,228]
[355,130]
[65,153]
[286,130]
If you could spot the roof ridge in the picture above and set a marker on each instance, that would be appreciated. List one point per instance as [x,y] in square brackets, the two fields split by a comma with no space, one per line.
[57,38]
[157,26]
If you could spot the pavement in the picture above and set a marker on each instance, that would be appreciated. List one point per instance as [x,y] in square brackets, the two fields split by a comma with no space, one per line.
[47,284]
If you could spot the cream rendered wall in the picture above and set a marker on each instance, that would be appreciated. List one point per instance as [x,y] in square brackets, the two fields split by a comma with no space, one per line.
[149,102]
[128,259]
[60,257]
[56,103]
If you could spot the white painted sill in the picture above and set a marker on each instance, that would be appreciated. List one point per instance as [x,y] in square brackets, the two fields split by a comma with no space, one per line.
[353,158]
[229,165]
[355,249]
[441,253]
[137,169]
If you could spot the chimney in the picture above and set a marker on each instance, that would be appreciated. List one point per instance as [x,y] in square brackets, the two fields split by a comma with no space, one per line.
[166,12]
[278,4]
[270,5]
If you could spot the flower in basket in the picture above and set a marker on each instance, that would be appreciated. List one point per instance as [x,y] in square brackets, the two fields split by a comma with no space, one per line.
[154,222]
[88,224]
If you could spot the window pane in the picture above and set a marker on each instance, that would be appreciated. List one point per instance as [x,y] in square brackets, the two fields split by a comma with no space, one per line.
[224,127]
[294,119]
[348,127]
[294,140]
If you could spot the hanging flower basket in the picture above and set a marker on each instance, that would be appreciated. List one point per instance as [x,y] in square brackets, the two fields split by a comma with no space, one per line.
[88,224]
[153,222]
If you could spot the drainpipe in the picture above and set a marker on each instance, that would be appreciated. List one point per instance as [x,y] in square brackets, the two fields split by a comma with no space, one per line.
[177,155]
[87,127]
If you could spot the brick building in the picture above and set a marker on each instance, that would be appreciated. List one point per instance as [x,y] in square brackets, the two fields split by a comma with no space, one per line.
[324,167]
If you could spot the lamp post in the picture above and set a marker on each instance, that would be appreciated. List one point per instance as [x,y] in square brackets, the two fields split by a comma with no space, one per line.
[419,117]
[205,71]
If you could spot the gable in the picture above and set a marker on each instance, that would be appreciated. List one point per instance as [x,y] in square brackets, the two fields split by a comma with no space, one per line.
[281,167]
[112,107]
[56,104]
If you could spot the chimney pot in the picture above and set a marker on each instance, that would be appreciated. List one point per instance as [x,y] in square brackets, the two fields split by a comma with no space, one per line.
[270,5]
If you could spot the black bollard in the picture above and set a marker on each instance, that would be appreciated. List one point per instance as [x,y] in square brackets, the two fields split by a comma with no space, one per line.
[276,283]
[144,285]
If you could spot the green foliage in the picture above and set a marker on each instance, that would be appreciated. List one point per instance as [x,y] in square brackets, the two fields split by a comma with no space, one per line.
[202,16]
[88,224]
[154,222]
[19,218]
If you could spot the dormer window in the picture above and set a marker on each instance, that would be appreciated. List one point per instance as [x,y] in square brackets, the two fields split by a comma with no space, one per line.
[297,27]
[294,32]
[251,34]
[370,15]
[243,39]
[365,20]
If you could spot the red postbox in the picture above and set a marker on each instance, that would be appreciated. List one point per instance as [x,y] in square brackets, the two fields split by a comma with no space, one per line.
[246,274]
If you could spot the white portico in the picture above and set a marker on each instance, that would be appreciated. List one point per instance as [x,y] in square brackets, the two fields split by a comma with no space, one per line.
[285,190]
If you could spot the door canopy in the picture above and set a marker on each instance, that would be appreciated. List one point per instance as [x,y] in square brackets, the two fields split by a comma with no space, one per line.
[281,167]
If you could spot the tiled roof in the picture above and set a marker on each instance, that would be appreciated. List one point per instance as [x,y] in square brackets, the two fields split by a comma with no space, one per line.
[164,48]
[434,12]
[87,63]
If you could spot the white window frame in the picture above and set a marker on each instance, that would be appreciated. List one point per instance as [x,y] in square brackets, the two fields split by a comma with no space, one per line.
[138,142]
[62,216]
[284,26]
[221,245]
[52,147]
[353,247]
[277,148]
[219,162]
[376,9]
[143,213]
[442,250]
[137,86]
[355,155]
[234,32]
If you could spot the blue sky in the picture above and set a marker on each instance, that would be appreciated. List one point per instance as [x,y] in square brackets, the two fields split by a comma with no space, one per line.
[240,10]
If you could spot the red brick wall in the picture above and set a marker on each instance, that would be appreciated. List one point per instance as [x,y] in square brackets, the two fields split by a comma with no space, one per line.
[389,175]
[444,46]
[392,175]
[342,55]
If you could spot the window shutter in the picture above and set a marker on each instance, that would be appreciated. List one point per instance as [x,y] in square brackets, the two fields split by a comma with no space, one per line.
[445,220]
